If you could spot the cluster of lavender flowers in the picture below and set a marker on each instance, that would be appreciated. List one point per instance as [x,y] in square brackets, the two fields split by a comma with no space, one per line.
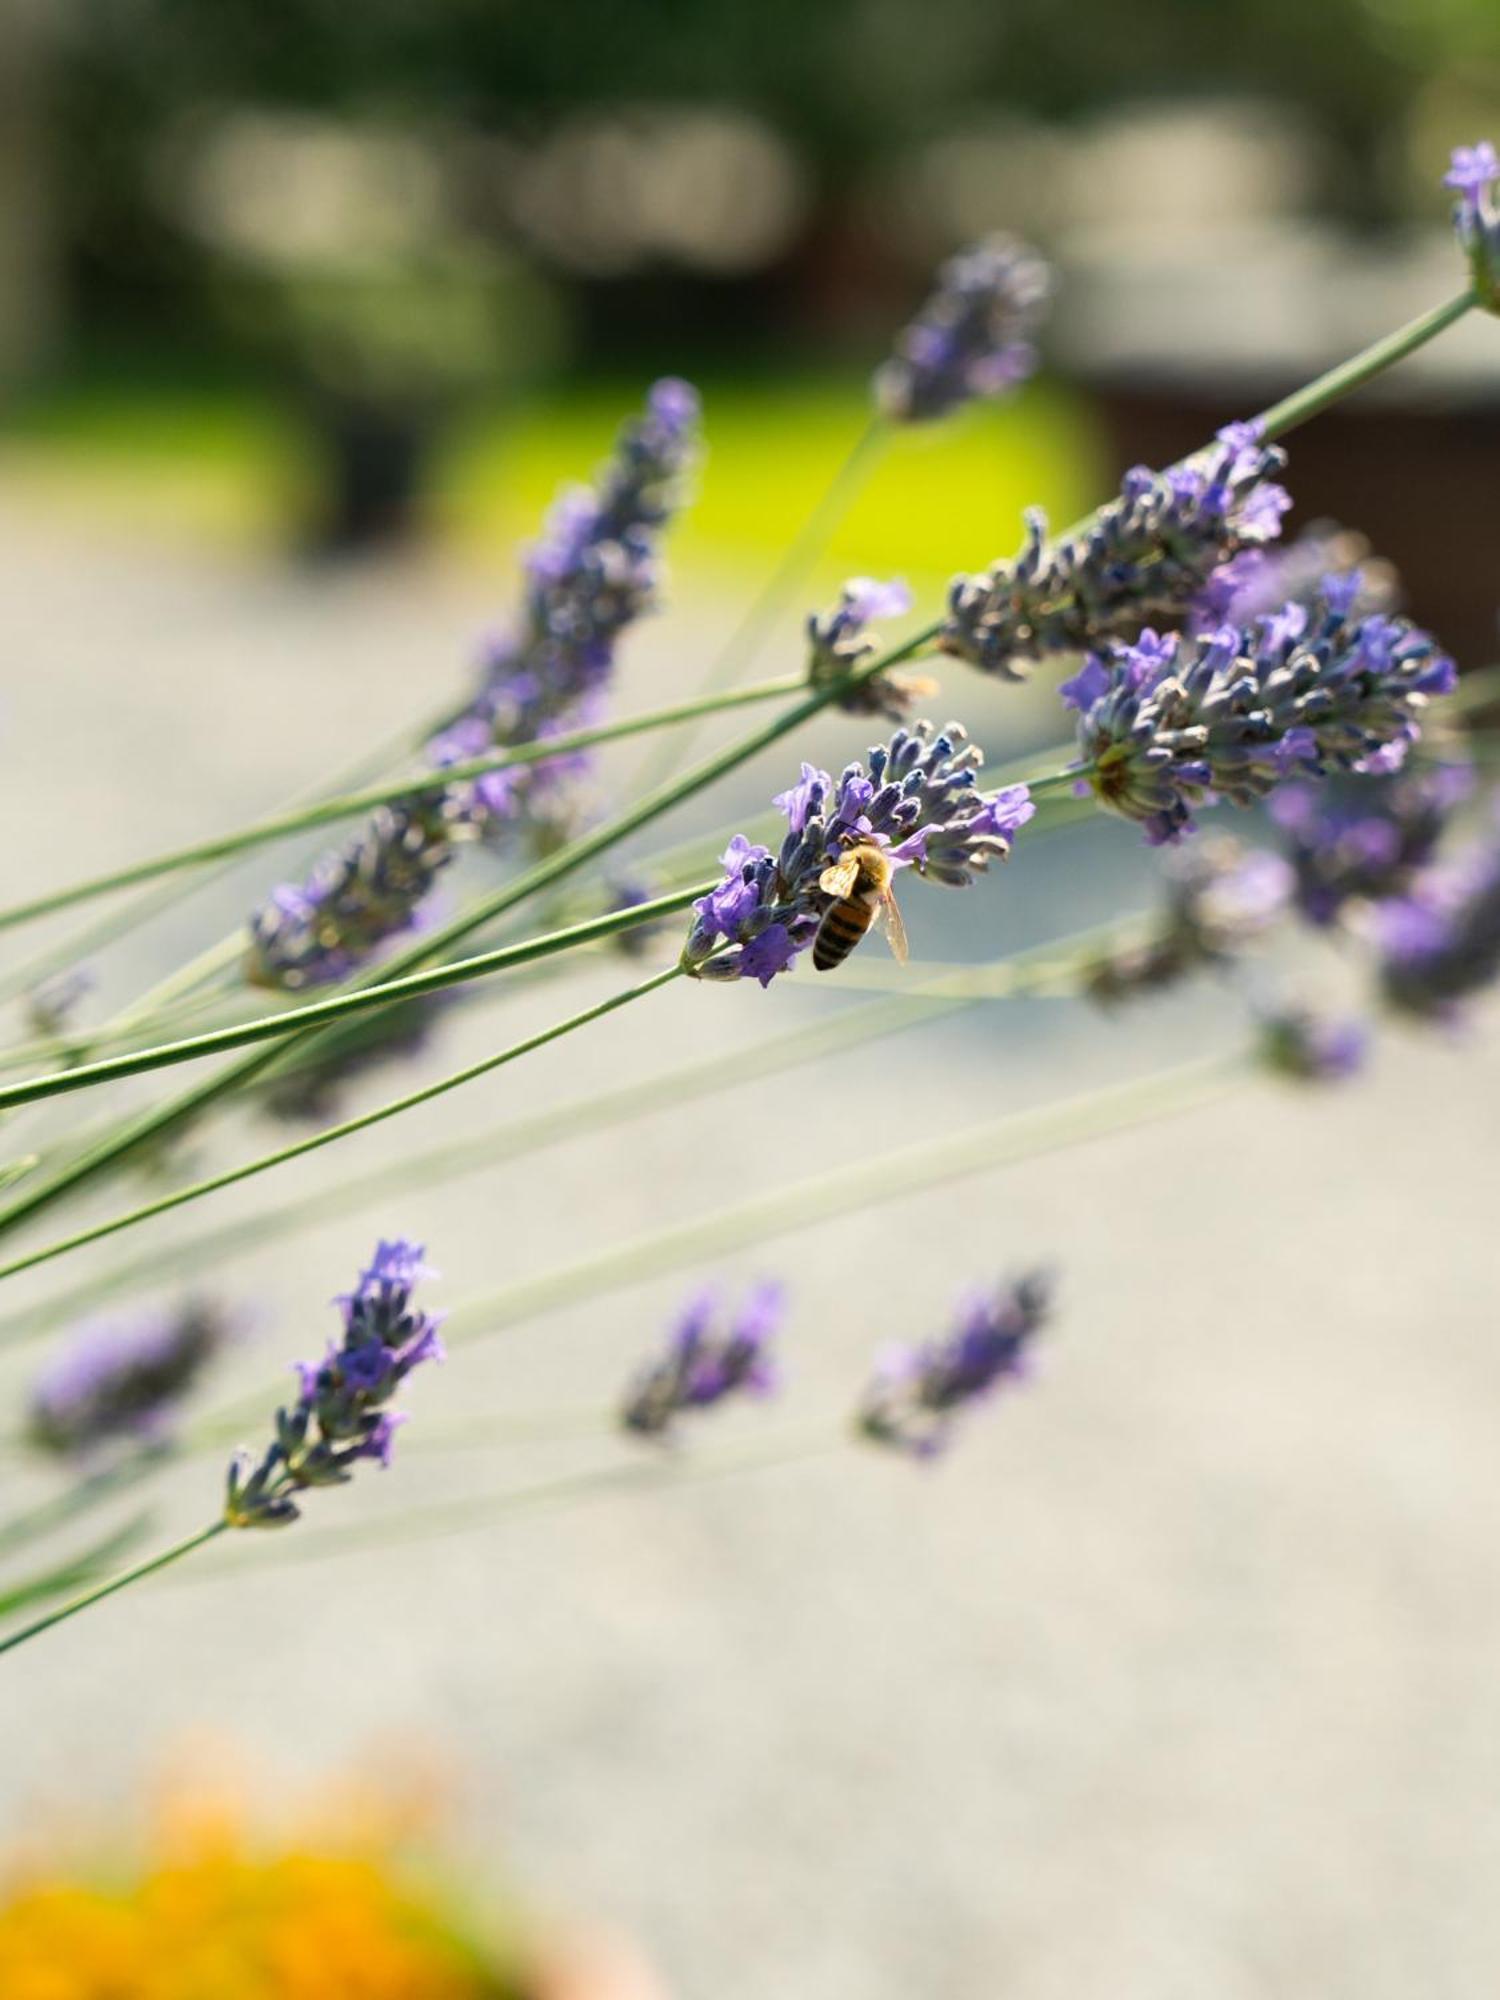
[341,1415]
[1174,723]
[1294,573]
[592,574]
[1171,551]
[1368,843]
[711,1353]
[919,1393]
[916,798]
[1473,175]
[1220,897]
[317,932]
[973,336]
[594,571]
[1439,942]
[121,1382]
[839,641]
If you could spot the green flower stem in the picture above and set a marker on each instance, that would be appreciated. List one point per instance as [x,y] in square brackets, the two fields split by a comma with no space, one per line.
[868,1183]
[791,572]
[1041,967]
[318,1013]
[457,1517]
[350,804]
[1350,375]
[100,1591]
[164,1204]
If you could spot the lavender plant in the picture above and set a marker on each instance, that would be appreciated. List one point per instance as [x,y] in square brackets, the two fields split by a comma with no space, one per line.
[1213,673]
[122,1382]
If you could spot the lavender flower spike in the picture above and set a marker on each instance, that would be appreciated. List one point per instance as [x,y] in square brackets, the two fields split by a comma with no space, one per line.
[341,1415]
[355,900]
[1472,175]
[1313,1048]
[973,336]
[592,574]
[1369,844]
[917,799]
[1172,724]
[711,1354]
[1220,898]
[1440,943]
[119,1381]
[839,641]
[1169,553]
[918,1393]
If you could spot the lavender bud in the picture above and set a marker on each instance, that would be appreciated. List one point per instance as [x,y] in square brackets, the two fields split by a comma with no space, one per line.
[1472,174]
[1313,1048]
[1295,572]
[1170,552]
[916,800]
[341,1417]
[123,1380]
[919,1393]
[973,337]
[839,641]
[1219,900]
[711,1354]
[1172,724]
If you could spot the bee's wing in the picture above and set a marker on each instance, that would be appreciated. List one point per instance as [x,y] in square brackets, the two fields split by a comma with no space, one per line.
[895,930]
[839,880]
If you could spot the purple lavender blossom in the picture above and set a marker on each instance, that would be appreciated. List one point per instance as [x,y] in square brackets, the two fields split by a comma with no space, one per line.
[917,799]
[1368,843]
[1172,724]
[1472,175]
[839,641]
[122,1381]
[1439,944]
[711,1353]
[340,1415]
[1220,898]
[1313,1048]
[973,336]
[919,1393]
[1294,573]
[357,899]
[1169,553]
[592,574]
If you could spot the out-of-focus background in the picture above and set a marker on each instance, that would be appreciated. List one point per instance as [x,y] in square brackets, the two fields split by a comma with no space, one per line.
[1179,1678]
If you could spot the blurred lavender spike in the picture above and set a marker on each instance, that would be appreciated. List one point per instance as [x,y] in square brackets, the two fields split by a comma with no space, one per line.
[972,338]
[919,1393]
[712,1353]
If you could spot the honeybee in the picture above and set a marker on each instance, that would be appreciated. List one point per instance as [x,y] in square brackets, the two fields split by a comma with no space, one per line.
[860,884]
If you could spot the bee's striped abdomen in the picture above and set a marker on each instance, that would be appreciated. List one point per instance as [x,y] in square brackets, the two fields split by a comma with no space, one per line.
[844,924]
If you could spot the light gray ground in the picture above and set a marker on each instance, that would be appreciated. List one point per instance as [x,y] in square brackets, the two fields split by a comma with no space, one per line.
[1179,1679]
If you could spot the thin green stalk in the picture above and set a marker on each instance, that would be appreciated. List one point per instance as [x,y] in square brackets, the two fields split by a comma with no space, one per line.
[319,1013]
[456,1517]
[164,1204]
[915,1000]
[890,1177]
[1350,375]
[108,1588]
[791,572]
[351,804]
